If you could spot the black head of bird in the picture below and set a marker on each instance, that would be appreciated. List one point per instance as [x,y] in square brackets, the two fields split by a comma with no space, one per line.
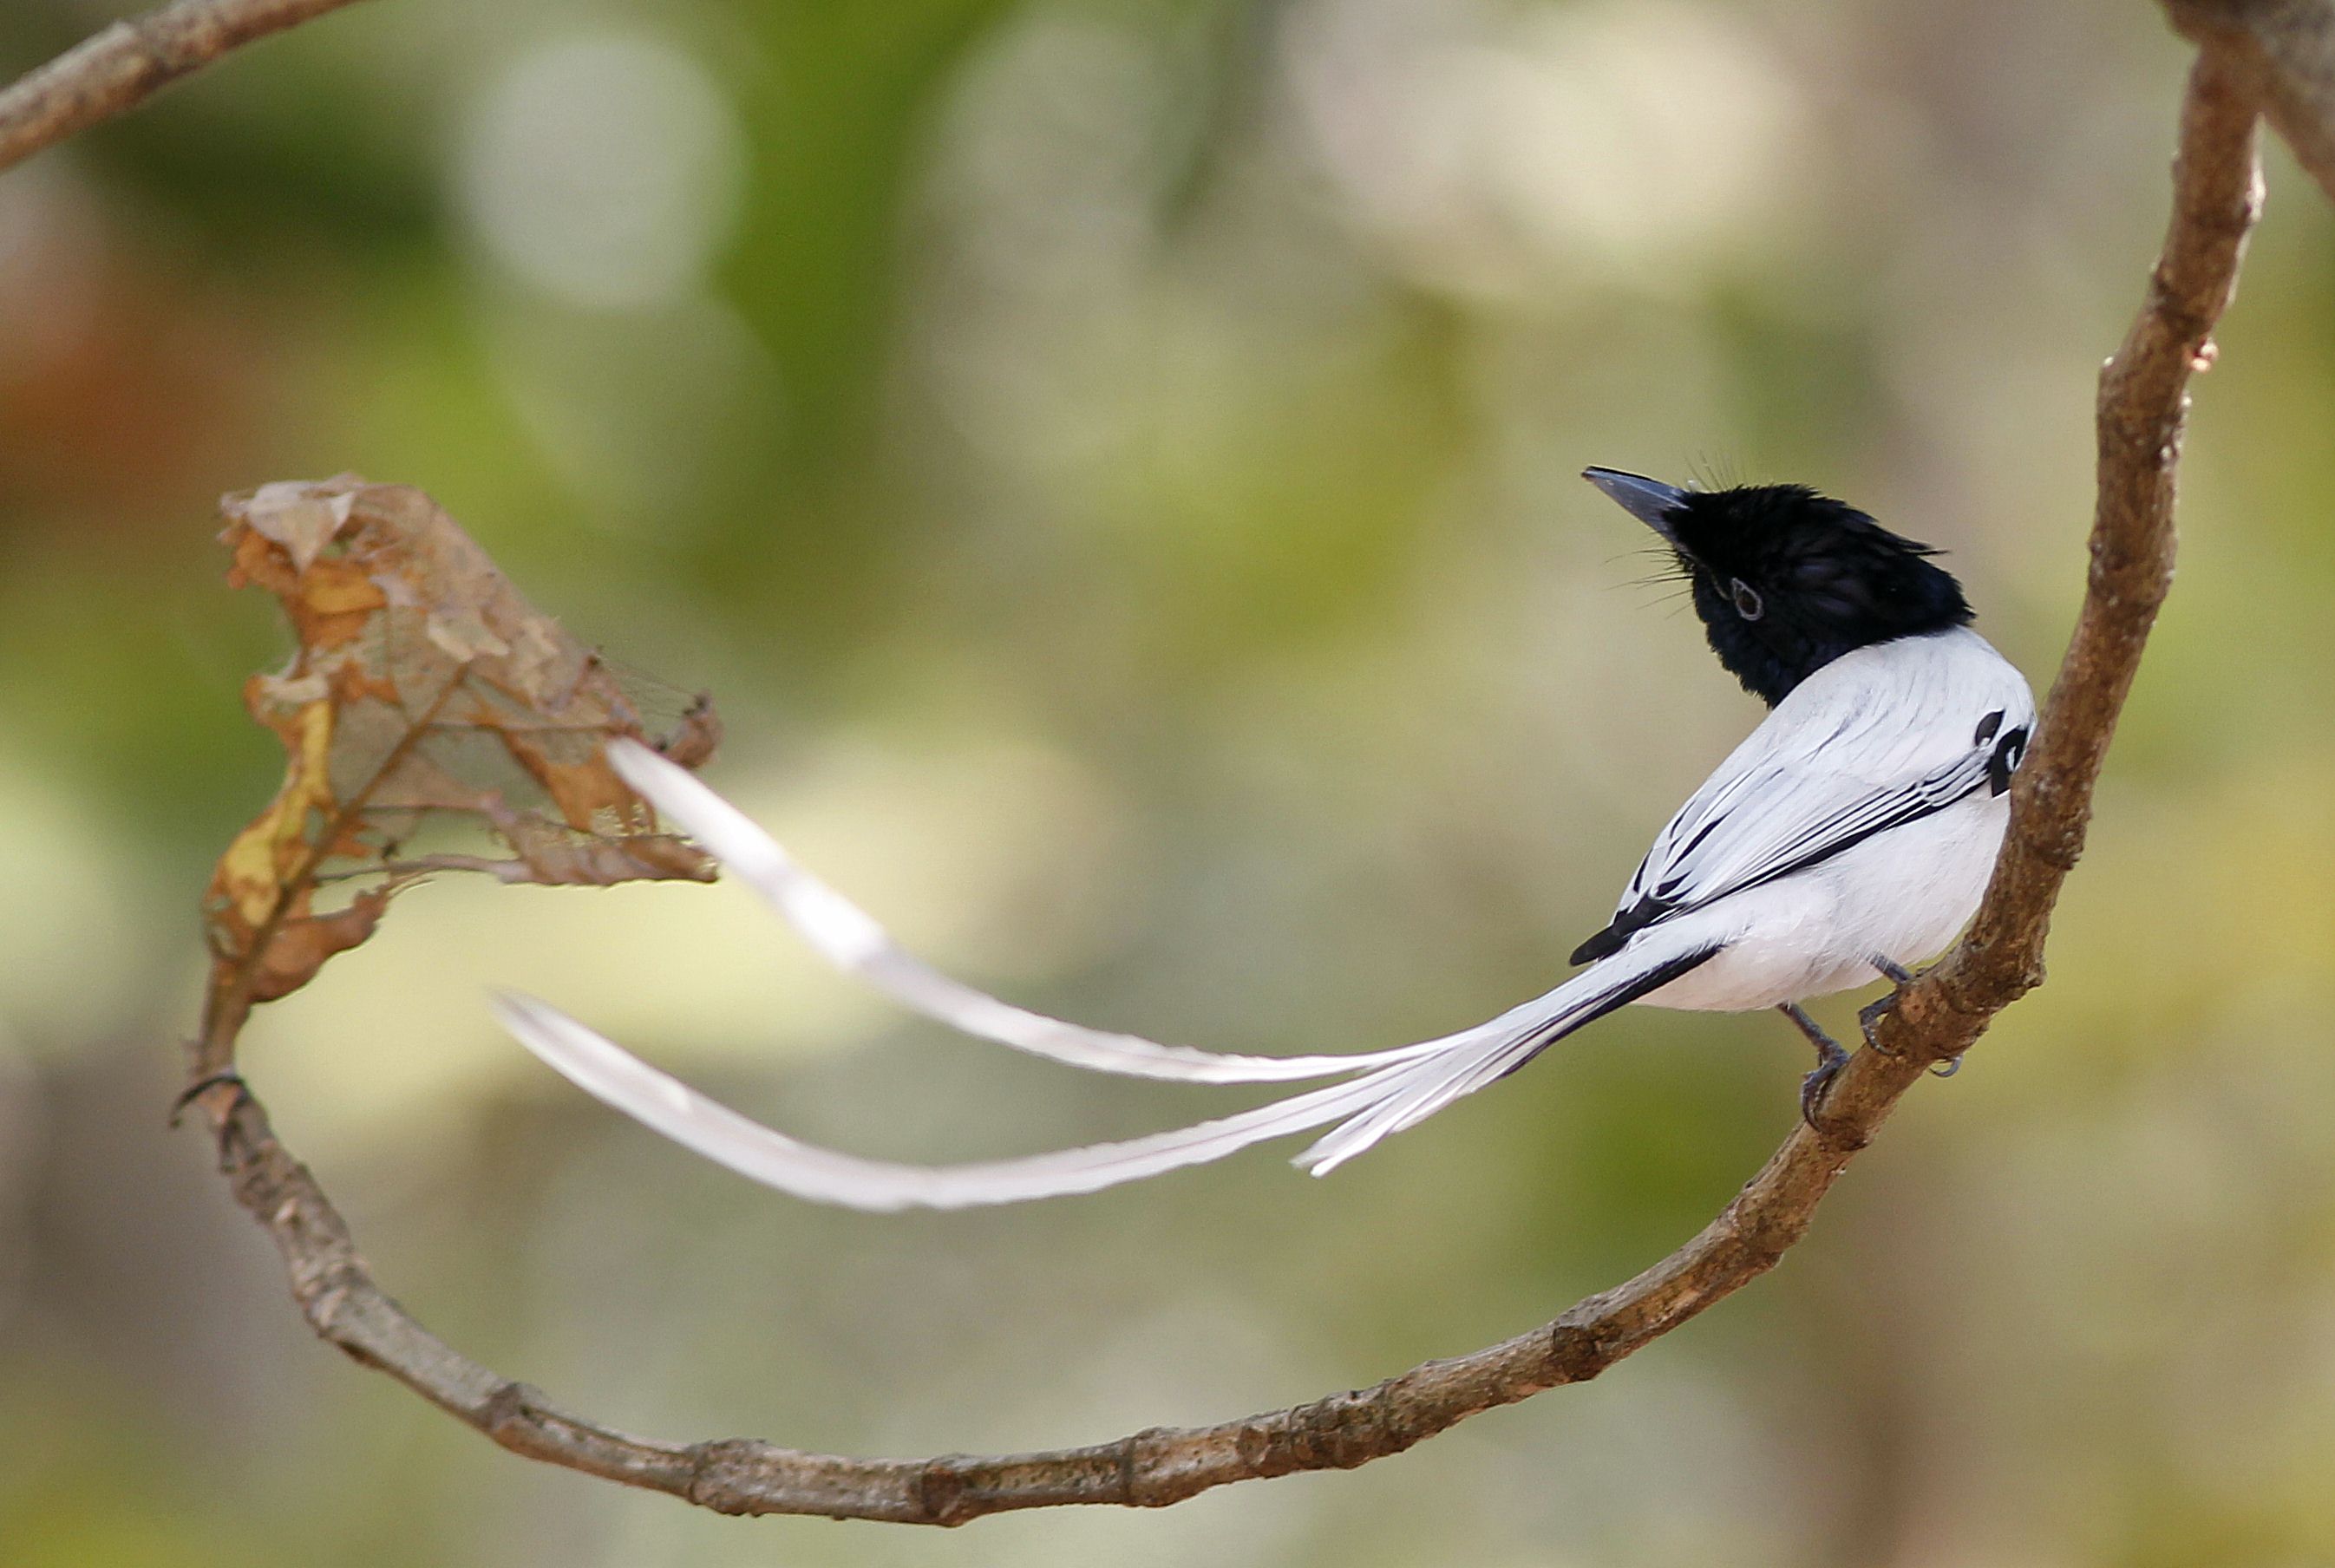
[1786,580]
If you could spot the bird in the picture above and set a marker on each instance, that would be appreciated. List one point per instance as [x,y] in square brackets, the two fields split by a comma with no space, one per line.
[1849,836]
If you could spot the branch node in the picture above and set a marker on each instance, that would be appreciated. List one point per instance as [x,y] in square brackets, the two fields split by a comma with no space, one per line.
[512,1405]
[943,1492]
[1578,1351]
[713,1475]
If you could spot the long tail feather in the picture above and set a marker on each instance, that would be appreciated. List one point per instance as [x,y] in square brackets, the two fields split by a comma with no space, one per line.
[1408,1094]
[610,1073]
[846,937]
[1368,1108]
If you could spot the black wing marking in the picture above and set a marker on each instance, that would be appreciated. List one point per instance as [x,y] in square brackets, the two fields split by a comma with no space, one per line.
[1647,911]
[2008,752]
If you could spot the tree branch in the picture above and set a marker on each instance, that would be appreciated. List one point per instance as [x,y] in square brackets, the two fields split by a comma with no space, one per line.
[2141,401]
[117,70]
[2291,44]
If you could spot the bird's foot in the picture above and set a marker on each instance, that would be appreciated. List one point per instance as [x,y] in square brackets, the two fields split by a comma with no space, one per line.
[1946,1068]
[1869,1017]
[1830,1058]
[1820,1080]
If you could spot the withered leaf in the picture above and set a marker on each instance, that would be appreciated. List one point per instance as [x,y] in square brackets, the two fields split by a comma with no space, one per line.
[423,688]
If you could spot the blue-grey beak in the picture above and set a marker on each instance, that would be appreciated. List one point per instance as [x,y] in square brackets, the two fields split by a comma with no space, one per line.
[1649,501]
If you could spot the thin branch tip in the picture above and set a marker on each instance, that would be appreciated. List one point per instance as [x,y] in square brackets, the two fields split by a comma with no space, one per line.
[120,67]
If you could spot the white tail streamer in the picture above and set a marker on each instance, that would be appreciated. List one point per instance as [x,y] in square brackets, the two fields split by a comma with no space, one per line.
[1396,1089]
[607,1072]
[1368,1108]
[848,938]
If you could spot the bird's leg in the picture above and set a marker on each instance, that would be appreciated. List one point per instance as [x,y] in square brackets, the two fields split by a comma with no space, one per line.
[1830,1059]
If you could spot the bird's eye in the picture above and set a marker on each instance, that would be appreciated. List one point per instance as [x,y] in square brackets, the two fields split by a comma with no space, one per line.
[1748,603]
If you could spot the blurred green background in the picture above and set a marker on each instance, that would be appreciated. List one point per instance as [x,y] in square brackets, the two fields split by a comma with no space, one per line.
[1114,464]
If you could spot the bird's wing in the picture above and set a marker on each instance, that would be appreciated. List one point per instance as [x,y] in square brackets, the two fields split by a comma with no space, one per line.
[1859,756]
[844,935]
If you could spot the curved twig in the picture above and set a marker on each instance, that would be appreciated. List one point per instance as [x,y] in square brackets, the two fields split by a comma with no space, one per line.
[2217,195]
[117,70]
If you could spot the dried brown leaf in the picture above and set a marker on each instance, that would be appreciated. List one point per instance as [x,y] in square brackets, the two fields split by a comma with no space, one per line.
[423,686]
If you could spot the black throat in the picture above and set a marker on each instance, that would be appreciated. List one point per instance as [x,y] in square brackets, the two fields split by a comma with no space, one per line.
[1770,665]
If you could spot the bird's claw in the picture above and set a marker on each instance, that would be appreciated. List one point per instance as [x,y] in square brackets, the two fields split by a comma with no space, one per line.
[1813,1086]
[1869,1017]
[1830,1059]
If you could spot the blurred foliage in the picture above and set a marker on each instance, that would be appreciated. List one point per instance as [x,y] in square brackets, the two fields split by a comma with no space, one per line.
[1114,459]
